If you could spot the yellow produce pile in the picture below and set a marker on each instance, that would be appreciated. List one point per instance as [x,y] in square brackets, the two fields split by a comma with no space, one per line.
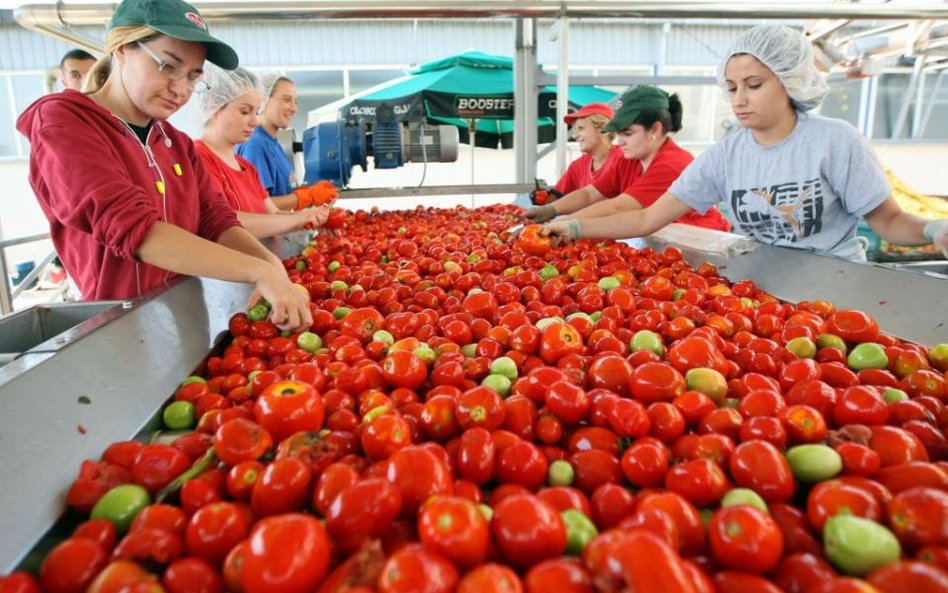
[914,202]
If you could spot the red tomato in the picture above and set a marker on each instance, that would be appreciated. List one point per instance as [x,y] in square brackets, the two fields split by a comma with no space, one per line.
[94,480]
[215,529]
[917,577]
[415,569]
[157,465]
[19,582]
[288,407]
[155,547]
[101,531]
[917,517]
[533,242]
[649,565]
[419,474]
[646,462]
[490,578]
[286,554]
[853,326]
[744,538]
[687,519]
[71,566]
[241,440]
[700,481]
[192,575]
[361,511]
[833,496]
[656,381]
[565,575]
[760,466]
[455,528]
[527,530]
[282,488]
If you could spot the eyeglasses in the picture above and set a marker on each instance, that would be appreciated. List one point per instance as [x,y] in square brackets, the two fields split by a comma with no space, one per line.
[195,82]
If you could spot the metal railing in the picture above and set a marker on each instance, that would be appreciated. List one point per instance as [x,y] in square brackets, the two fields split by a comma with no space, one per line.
[9,293]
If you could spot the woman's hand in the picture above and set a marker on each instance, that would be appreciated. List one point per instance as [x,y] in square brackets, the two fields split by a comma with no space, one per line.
[937,232]
[541,214]
[311,218]
[289,303]
[563,231]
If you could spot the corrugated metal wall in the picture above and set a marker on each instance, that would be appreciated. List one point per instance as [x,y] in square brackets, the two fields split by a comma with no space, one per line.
[373,42]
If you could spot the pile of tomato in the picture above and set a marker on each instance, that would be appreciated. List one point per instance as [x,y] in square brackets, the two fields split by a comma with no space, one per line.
[475,413]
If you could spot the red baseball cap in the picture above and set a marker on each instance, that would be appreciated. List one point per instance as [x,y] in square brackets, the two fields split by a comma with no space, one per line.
[591,109]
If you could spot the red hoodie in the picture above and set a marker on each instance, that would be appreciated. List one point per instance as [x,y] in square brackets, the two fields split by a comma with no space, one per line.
[101,190]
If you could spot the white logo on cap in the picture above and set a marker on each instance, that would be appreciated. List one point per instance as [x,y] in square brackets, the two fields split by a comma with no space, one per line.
[196,19]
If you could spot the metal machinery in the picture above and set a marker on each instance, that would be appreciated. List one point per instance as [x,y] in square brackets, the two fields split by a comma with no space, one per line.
[332,148]
[106,376]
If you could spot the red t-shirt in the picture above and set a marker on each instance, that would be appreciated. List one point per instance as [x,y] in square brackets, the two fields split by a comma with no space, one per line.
[242,188]
[626,177]
[579,174]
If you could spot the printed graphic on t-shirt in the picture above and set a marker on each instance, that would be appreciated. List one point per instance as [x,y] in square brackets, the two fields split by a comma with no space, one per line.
[783,212]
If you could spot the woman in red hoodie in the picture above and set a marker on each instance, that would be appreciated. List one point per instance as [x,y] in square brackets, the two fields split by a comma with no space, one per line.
[129,203]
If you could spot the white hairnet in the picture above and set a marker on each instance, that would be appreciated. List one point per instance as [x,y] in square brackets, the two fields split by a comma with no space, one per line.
[225,86]
[268,80]
[789,55]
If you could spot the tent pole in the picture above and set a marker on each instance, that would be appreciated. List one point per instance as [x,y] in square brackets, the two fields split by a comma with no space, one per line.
[562,97]
[525,103]
[472,133]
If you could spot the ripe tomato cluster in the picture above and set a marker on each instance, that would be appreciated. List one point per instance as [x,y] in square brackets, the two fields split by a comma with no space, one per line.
[471,414]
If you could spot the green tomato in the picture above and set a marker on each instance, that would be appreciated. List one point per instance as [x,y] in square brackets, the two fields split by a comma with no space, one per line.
[498,383]
[504,366]
[259,311]
[595,316]
[300,265]
[677,294]
[383,336]
[193,379]
[607,283]
[707,381]
[340,312]
[737,496]
[560,473]
[469,350]
[309,341]
[579,531]
[338,285]
[867,355]
[333,266]
[486,511]
[892,395]
[426,353]
[580,315]
[375,413]
[831,341]
[120,505]
[178,415]
[542,324]
[549,271]
[802,347]
[857,546]
[646,339]
[814,462]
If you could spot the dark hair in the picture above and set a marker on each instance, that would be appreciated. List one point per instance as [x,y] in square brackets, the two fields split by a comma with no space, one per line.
[669,118]
[76,54]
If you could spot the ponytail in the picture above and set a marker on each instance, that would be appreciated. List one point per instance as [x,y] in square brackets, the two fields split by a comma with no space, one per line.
[115,39]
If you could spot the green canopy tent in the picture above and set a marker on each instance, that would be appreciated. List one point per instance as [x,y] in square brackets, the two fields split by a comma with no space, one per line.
[468,90]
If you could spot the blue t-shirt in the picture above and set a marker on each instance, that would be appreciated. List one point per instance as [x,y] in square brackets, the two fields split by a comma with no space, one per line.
[265,153]
[807,191]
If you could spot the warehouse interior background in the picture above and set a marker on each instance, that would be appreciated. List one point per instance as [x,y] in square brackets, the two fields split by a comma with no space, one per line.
[886,79]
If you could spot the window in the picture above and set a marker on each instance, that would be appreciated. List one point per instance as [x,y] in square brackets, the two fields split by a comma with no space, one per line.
[360,80]
[8,146]
[314,89]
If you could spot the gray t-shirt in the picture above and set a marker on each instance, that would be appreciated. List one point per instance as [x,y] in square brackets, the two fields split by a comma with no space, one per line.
[808,191]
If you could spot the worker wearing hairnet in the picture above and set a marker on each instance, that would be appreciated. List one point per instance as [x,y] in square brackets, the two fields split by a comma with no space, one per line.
[790,177]
[229,109]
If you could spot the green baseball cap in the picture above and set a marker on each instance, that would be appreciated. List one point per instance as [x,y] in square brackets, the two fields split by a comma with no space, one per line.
[633,102]
[177,19]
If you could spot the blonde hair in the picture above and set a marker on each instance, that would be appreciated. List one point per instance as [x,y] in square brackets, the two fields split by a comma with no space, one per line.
[599,121]
[115,39]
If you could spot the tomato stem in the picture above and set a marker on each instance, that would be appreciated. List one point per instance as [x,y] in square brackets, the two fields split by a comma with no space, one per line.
[202,464]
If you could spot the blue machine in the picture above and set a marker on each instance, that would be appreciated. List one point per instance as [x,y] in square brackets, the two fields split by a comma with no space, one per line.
[331,149]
